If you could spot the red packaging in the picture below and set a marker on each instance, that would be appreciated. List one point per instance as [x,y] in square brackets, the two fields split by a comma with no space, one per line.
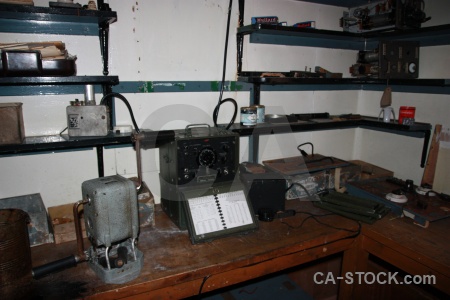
[406,112]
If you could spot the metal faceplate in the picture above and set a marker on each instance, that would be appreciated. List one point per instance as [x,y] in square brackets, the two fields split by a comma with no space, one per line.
[200,156]
[87,120]
[111,214]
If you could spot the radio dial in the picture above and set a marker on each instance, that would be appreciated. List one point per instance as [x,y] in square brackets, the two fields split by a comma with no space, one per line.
[207,157]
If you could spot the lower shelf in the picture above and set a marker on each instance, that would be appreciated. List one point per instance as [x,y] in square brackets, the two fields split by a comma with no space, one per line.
[323,121]
[302,123]
[64,142]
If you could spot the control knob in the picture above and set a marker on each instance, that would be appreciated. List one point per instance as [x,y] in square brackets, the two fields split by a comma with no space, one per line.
[206,157]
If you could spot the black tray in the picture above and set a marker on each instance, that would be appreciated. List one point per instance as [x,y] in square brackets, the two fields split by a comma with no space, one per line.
[29,63]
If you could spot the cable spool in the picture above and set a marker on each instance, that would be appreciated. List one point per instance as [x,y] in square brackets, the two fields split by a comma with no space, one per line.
[15,258]
[396,198]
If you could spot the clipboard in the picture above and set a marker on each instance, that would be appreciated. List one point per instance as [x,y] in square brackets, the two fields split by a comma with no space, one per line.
[217,211]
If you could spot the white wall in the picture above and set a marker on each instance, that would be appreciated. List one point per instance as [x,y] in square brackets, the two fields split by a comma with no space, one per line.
[184,40]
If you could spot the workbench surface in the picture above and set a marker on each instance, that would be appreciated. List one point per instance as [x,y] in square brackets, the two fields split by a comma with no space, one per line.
[173,267]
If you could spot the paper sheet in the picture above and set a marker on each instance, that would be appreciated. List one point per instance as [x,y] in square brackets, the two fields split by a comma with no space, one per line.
[219,212]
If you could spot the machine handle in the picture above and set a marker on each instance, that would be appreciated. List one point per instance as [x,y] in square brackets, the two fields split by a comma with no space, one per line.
[187,130]
[58,265]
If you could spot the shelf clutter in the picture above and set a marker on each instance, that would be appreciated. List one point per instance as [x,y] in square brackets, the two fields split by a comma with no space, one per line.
[36,59]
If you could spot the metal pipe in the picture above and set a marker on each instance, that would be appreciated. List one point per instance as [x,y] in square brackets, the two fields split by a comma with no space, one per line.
[137,139]
[78,232]
[108,264]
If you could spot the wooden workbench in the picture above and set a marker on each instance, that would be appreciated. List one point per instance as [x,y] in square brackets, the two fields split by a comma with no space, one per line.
[408,247]
[174,268]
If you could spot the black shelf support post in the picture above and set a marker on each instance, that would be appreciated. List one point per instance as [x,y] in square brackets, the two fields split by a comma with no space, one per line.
[240,47]
[100,165]
[240,37]
[104,40]
[426,140]
[255,94]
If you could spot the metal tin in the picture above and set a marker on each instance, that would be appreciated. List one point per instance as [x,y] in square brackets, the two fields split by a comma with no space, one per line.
[15,258]
[260,113]
[248,115]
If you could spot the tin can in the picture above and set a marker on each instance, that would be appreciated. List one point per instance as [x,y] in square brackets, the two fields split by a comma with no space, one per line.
[260,113]
[248,116]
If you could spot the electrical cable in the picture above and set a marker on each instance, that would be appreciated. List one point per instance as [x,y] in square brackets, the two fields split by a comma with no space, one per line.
[127,104]
[315,216]
[303,152]
[203,283]
[306,190]
[220,102]
[61,132]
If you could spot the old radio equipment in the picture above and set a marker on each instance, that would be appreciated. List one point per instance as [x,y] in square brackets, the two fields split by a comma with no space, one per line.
[198,156]
[384,15]
[391,60]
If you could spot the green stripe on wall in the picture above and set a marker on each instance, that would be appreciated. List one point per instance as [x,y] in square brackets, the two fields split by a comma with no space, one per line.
[178,86]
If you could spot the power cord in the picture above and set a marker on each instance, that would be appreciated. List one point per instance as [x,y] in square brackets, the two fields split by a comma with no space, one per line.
[303,152]
[315,216]
[220,102]
[201,286]
[121,97]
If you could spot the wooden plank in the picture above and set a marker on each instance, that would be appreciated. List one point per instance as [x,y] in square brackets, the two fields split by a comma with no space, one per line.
[427,246]
[430,167]
[406,263]
[220,280]
[355,260]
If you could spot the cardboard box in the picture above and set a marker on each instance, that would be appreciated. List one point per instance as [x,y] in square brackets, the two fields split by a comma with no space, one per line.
[146,205]
[61,218]
[369,171]
[12,130]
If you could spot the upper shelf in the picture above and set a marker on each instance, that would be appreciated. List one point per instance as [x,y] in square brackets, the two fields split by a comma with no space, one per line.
[59,80]
[51,20]
[341,3]
[359,81]
[287,35]
[24,86]
[432,86]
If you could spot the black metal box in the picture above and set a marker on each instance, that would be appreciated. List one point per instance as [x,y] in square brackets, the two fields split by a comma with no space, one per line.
[265,188]
[196,157]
